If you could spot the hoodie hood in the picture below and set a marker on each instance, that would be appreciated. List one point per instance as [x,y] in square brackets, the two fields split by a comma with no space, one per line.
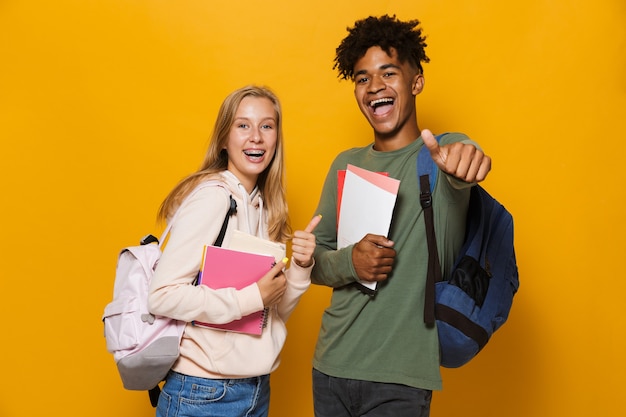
[249,206]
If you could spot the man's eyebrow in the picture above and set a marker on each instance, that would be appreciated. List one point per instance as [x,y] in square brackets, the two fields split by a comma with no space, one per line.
[387,66]
[382,67]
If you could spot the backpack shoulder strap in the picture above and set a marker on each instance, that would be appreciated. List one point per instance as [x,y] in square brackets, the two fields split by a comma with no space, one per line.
[427,176]
[231,210]
[426,166]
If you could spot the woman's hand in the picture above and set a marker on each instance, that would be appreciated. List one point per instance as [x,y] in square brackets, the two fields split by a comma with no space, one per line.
[273,284]
[303,243]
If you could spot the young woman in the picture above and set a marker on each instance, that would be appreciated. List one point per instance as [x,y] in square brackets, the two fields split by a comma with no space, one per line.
[222,373]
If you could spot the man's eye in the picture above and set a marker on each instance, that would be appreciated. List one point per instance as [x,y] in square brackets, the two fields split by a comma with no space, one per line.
[388,74]
[361,80]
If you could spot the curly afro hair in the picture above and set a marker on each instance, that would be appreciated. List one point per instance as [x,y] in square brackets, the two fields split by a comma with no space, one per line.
[386,32]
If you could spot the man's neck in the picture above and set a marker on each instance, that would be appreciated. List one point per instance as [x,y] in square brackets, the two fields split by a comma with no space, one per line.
[388,143]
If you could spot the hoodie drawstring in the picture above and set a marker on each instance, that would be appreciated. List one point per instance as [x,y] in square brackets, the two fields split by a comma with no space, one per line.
[246,202]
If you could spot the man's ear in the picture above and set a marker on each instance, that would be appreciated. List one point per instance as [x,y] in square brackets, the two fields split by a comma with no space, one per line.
[418,84]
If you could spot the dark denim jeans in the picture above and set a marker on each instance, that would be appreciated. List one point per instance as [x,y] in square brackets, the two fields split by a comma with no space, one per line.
[339,397]
[190,396]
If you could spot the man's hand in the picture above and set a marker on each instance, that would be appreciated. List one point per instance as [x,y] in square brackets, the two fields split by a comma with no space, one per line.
[373,258]
[463,161]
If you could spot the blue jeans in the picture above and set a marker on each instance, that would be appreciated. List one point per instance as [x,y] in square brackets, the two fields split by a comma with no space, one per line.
[189,396]
[340,397]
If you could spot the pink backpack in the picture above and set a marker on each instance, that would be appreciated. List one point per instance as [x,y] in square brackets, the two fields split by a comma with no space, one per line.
[144,346]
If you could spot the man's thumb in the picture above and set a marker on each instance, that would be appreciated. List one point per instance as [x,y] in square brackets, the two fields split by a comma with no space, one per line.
[430,141]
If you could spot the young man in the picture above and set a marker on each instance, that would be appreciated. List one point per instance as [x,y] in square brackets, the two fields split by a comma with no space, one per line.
[374,355]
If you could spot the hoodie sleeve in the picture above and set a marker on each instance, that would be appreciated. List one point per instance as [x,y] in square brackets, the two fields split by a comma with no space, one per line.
[172,290]
[298,281]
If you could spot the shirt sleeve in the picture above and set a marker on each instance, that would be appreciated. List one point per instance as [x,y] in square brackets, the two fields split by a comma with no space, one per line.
[333,267]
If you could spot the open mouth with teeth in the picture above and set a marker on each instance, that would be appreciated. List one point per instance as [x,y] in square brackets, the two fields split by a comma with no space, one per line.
[254,154]
[381,105]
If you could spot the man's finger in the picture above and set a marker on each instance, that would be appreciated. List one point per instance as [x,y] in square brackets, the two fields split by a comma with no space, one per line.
[378,240]
[313,223]
[430,141]
[483,170]
[437,153]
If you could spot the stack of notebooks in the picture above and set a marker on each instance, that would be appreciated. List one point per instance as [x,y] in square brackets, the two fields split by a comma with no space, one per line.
[243,263]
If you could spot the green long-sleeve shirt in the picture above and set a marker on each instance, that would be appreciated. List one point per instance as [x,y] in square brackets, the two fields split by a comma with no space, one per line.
[383,338]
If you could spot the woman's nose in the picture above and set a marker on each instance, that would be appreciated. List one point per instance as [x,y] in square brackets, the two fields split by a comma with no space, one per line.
[255,136]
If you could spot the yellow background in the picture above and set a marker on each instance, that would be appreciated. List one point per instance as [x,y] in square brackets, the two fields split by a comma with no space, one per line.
[105,105]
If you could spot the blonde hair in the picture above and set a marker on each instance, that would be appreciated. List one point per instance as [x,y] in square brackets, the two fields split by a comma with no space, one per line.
[270,181]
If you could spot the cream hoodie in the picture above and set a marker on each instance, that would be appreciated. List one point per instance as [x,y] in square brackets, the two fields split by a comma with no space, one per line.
[206,352]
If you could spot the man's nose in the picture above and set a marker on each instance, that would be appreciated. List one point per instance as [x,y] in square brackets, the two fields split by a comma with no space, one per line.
[376,83]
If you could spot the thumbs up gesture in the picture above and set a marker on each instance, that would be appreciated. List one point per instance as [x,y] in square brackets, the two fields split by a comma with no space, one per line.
[461,160]
[303,244]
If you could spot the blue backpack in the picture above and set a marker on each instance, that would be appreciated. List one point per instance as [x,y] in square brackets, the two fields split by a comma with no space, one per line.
[475,300]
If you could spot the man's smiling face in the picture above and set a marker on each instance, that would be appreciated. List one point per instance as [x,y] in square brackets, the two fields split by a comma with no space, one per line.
[385,90]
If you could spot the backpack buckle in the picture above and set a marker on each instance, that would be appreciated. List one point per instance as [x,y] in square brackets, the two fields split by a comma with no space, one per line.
[426,200]
[148,239]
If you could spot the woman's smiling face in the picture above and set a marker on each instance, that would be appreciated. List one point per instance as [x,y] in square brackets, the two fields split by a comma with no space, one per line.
[252,140]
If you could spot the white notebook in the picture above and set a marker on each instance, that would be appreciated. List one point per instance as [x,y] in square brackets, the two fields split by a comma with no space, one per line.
[246,242]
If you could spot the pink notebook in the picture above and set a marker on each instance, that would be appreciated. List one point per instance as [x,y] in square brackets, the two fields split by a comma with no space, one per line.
[223,268]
